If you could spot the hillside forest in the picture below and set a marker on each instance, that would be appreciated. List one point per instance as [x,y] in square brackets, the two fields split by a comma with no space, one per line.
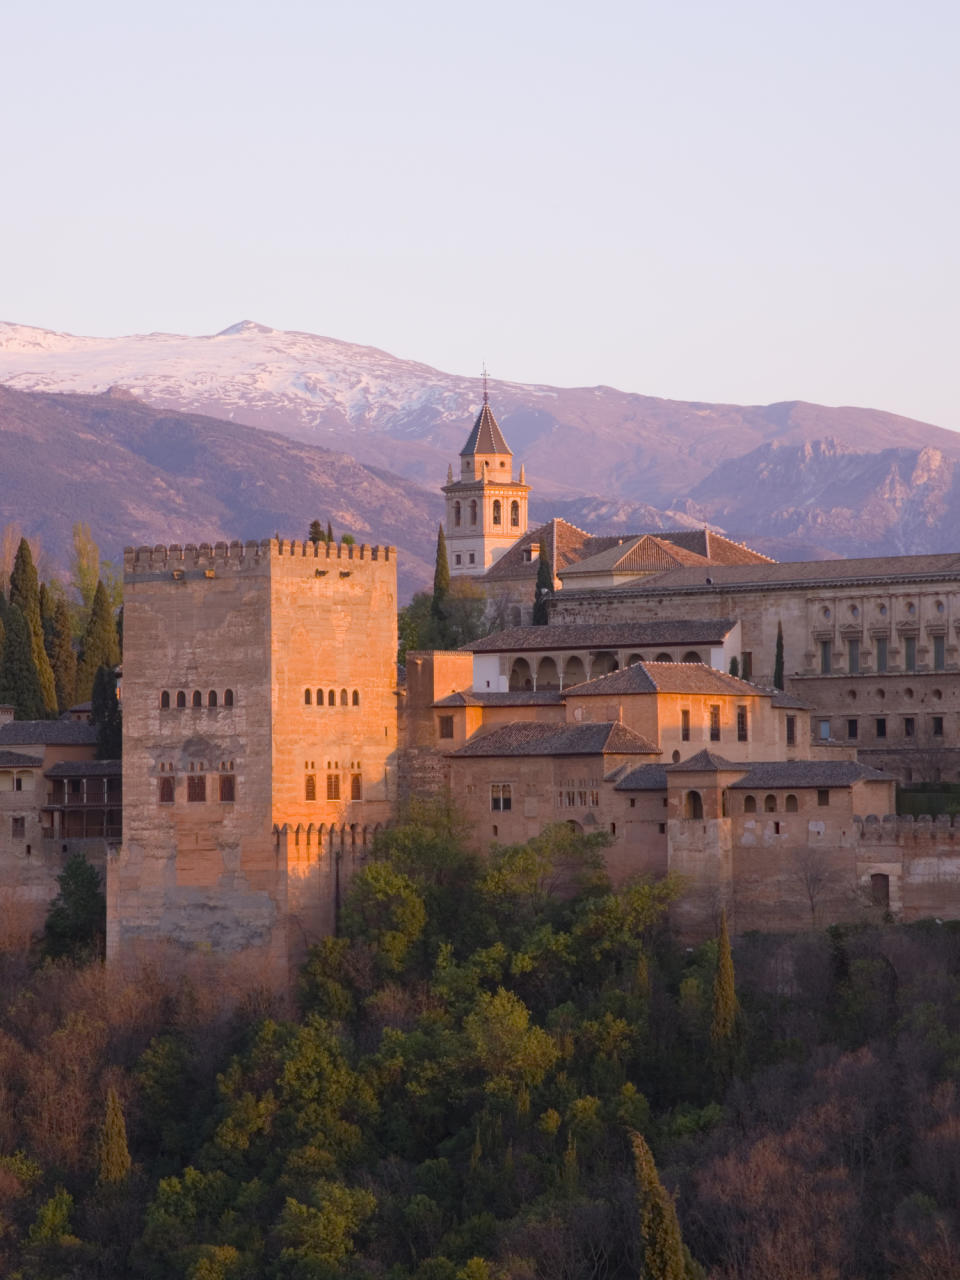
[499,1069]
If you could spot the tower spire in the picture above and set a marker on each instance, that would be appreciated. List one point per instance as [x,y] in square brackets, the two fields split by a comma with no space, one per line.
[486,397]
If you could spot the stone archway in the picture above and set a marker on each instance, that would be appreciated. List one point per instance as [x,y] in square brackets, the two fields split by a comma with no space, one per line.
[548,677]
[603,663]
[521,677]
[574,672]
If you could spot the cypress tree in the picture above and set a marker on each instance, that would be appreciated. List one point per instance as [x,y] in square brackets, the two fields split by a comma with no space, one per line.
[113,1150]
[99,646]
[316,532]
[25,593]
[441,576]
[778,659]
[19,682]
[662,1248]
[329,532]
[63,658]
[106,715]
[735,665]
[544,588]
[724,1026]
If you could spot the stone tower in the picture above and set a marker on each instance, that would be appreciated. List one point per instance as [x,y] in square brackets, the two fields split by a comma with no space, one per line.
[486,507]
[259,744]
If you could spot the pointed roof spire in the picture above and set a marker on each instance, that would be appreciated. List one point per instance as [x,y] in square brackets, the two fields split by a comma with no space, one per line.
[486,397]
[486,436]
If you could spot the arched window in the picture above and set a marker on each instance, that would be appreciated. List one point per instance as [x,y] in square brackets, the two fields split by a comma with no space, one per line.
[332,698]
[692,656]
[663,657]
[344,699]
[212,698]
[749,804]
[770,804]
[880,890]
[197,698]
[310,787]
[319,697]
[791,805]
[307,698]
[228,698]
[496,511]
[166,791]
[515,515]
[693,805]
[473,511]
[456,515]
[356,697]
[165,699]
[181,699]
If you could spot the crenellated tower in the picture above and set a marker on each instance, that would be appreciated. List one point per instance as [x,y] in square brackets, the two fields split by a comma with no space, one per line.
[486,507]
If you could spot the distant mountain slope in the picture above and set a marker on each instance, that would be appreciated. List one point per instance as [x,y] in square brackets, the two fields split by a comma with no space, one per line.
[413,419]
[139,475]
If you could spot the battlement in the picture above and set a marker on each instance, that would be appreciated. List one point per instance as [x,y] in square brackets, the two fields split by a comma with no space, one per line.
[237,555]
[895,828]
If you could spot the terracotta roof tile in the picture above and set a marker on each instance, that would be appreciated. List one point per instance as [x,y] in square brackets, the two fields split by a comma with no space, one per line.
[646,777]
[605,635]
[706,762]
[667,677]
[515,698]
[533,738]
[15,760]
[808,773]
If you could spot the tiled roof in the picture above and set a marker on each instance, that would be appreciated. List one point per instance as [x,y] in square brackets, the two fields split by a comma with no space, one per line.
[515,698]
[666,677]
[14,760]
[86,769]
[644,553]
[807,773]
[565,545]
[54,733]
[486,436]
[705,762]
[532,738]
[714,546]
[604,635]
[780,698]
[646,777]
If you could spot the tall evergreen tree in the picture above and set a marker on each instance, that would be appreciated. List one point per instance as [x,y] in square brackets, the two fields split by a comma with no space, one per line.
[441,577]
[25,593]
[735,665]
[19,683]
[329,532]
[106,715]
[316,533]
[724,1026]
[63,658]
[544,588]
[662,1248]
[76,922]
[778,659]
[99,647]
[113,1150]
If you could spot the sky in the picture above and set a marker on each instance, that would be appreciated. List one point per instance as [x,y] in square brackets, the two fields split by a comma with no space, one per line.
[740,202]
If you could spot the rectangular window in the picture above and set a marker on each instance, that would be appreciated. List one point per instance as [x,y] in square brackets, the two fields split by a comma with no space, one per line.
[881,726]
[937,726]
[823,730]
[446,726]
[939,652]
[228,788]
[582,799]
[662,828]
[741,724]
[746,666]
[333,786]
[166,791]
[356,786]
[685,726]
[853,656]
[18,828]
[909,725]
[881,653]
[826,655]
[196,788]
[595,799]
[714,724]
[823,797]
[458,558]
[500,798]
[909,653]
[851,728]
[791,731]
[473,558]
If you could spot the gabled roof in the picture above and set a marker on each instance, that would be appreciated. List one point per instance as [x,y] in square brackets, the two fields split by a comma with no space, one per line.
[644,553]
[645,777]
[565,545]
[666,677]
[807,773]
[15,760]
[486,436]
[706,762]
[604,635]
[533,738]
[86,769]
[51,733]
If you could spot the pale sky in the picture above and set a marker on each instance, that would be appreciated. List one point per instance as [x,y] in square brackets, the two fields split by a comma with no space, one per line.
[738,202]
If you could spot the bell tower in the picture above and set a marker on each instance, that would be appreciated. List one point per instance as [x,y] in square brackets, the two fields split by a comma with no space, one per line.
[486,507]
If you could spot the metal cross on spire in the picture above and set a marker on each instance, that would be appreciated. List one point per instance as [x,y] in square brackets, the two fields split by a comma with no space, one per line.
[486,398]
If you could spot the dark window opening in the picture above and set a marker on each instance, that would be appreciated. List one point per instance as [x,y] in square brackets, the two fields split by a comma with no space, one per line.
[196,788]
[228,788]
[937,726]
[446,726]
[166,791]
[823,797]
[826,656]
[333,786]
[910,653]
[852,727]
[939,653]
[212,698]
[909,726]
[308,697]
[332,698]
[310,787]
[500,797]
[181,699]
[356,786]
[714,724]
[881,653]
[356,698]
[746,665]
[685,726]
[197,698]
[165,699]
[693,805]
[515,515]
[749,804]
[880,891]
[853,657]
[228,698]
[741,724]
[791,731]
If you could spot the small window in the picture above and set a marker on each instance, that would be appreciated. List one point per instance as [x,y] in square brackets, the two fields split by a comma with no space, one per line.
[910,653]
[18,828]
[500,797]
[196,788]
[310,787]
[852,727]
[776,828]
[770,804]
[446,726]
[693,805]
[909,726]
[332,698]
[356,786]
[181,699]
[936,727]
[458,558]
[228,697]
[826,657]
[212,698]
[165,699]
[741,724]
[355,699]
[749,804]
[333,786]
[881,653]
[228,788]
[18,782]
[344,698]
[456,515]
[823,797]
[791,731]
[319,697]
[633,802]
[515,515]
[684,726]
[823,730]
[881,726]
[662,828]
[197,698]
[880,891]
[166,791]
[472,558]
[497,509]
[308,697]
[939,652]
[853,656]
[791,805]
[714,724]
[473,511]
